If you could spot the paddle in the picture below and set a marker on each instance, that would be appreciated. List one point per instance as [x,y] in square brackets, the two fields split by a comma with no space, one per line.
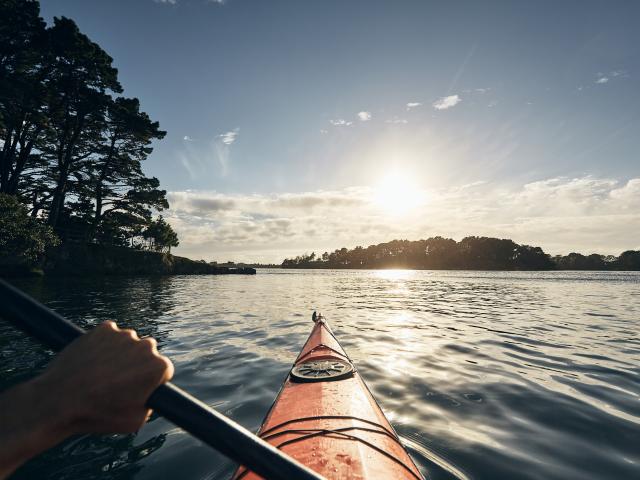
[177,406]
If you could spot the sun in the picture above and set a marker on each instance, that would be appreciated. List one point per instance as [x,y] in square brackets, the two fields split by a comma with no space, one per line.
[397,194]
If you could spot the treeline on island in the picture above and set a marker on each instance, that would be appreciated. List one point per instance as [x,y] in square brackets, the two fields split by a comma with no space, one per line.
[71,145]
[470,253]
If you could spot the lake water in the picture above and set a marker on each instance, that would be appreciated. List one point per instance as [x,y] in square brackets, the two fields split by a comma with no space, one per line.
[485,375]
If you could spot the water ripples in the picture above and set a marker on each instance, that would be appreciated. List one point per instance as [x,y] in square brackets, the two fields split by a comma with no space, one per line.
[485,375]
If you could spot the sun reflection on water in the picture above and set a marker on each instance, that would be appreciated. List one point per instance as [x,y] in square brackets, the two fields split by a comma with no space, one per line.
[395,274]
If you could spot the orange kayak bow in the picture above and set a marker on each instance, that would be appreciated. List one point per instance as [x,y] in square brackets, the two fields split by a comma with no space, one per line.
[326,418]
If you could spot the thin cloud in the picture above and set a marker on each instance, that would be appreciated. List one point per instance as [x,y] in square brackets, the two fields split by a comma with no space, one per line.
[412,105]
[187,138]
[447,102]
[188,164]
[479,90]
[397,121]
[364,116]
[585,214]
[229,138]
[223,149]
[340,122]
[607,77]
[462,68]
[166,2]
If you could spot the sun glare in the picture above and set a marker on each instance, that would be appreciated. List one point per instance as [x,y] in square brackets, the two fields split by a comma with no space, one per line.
[397,194]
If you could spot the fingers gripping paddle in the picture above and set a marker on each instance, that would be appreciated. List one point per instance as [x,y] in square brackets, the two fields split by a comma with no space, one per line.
[177,406]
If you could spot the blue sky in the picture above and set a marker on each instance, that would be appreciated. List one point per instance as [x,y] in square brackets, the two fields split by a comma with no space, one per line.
[294,125]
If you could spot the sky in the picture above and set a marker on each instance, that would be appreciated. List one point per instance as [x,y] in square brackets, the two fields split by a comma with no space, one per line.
[310,125]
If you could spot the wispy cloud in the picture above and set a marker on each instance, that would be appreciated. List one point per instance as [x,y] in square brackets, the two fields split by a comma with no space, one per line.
[189,164]
[340,122]
[364,116]
[479,91]
[412,105]
[223,149]
[586,214]
[607,77]
[447,102]
[199,158]
[228,138]
[397,120]
[166,2]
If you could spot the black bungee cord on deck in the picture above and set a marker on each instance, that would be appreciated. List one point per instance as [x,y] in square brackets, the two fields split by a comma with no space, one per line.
[177,406]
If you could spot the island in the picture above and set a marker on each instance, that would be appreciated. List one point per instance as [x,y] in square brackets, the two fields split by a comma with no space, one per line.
[470,253]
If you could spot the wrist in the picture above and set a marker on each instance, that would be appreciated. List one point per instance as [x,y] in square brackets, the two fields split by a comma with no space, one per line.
[53,417]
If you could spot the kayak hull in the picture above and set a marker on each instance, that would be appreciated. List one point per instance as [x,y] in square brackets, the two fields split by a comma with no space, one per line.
[330,422]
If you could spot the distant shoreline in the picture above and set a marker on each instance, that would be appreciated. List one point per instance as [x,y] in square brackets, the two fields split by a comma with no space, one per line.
[470,253]
[399,267]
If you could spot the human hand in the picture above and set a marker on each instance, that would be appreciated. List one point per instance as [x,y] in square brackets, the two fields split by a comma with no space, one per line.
[100,383]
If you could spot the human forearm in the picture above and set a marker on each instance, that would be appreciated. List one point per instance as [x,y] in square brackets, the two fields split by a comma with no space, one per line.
[30,423]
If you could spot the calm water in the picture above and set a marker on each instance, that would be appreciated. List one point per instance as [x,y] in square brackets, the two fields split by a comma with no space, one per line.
[484,375]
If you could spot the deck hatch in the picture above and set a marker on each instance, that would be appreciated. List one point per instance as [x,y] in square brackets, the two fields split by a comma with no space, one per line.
[321,370]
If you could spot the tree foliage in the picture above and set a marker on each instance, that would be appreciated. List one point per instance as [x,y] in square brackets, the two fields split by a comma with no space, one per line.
[160,235]
[71,148]
[470,253]
[24,238]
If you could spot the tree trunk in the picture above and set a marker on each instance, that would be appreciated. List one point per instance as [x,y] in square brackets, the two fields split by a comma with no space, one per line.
[99,187]
[57,201]
[65,159]
[8,156]
[21,163]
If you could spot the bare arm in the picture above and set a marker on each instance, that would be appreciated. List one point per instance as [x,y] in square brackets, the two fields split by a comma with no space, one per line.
[98,384]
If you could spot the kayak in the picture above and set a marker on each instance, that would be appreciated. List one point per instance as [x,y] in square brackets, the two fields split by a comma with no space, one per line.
[326,418]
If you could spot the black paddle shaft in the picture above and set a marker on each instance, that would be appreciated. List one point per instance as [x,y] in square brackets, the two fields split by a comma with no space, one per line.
[177,406]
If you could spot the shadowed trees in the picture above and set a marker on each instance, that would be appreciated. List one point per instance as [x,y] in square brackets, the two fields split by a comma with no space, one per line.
[80,79]
[470,253]
[629,260]
[71,149]
[116,178]
[24,239]
[161,236]
[577,261]
[23,93]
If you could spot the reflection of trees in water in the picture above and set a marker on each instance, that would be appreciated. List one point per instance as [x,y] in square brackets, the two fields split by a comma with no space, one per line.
[138,303]
[20,357]
[107,457]
[133,302]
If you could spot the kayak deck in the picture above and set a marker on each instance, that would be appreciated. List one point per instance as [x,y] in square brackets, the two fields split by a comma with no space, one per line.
[326,418]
